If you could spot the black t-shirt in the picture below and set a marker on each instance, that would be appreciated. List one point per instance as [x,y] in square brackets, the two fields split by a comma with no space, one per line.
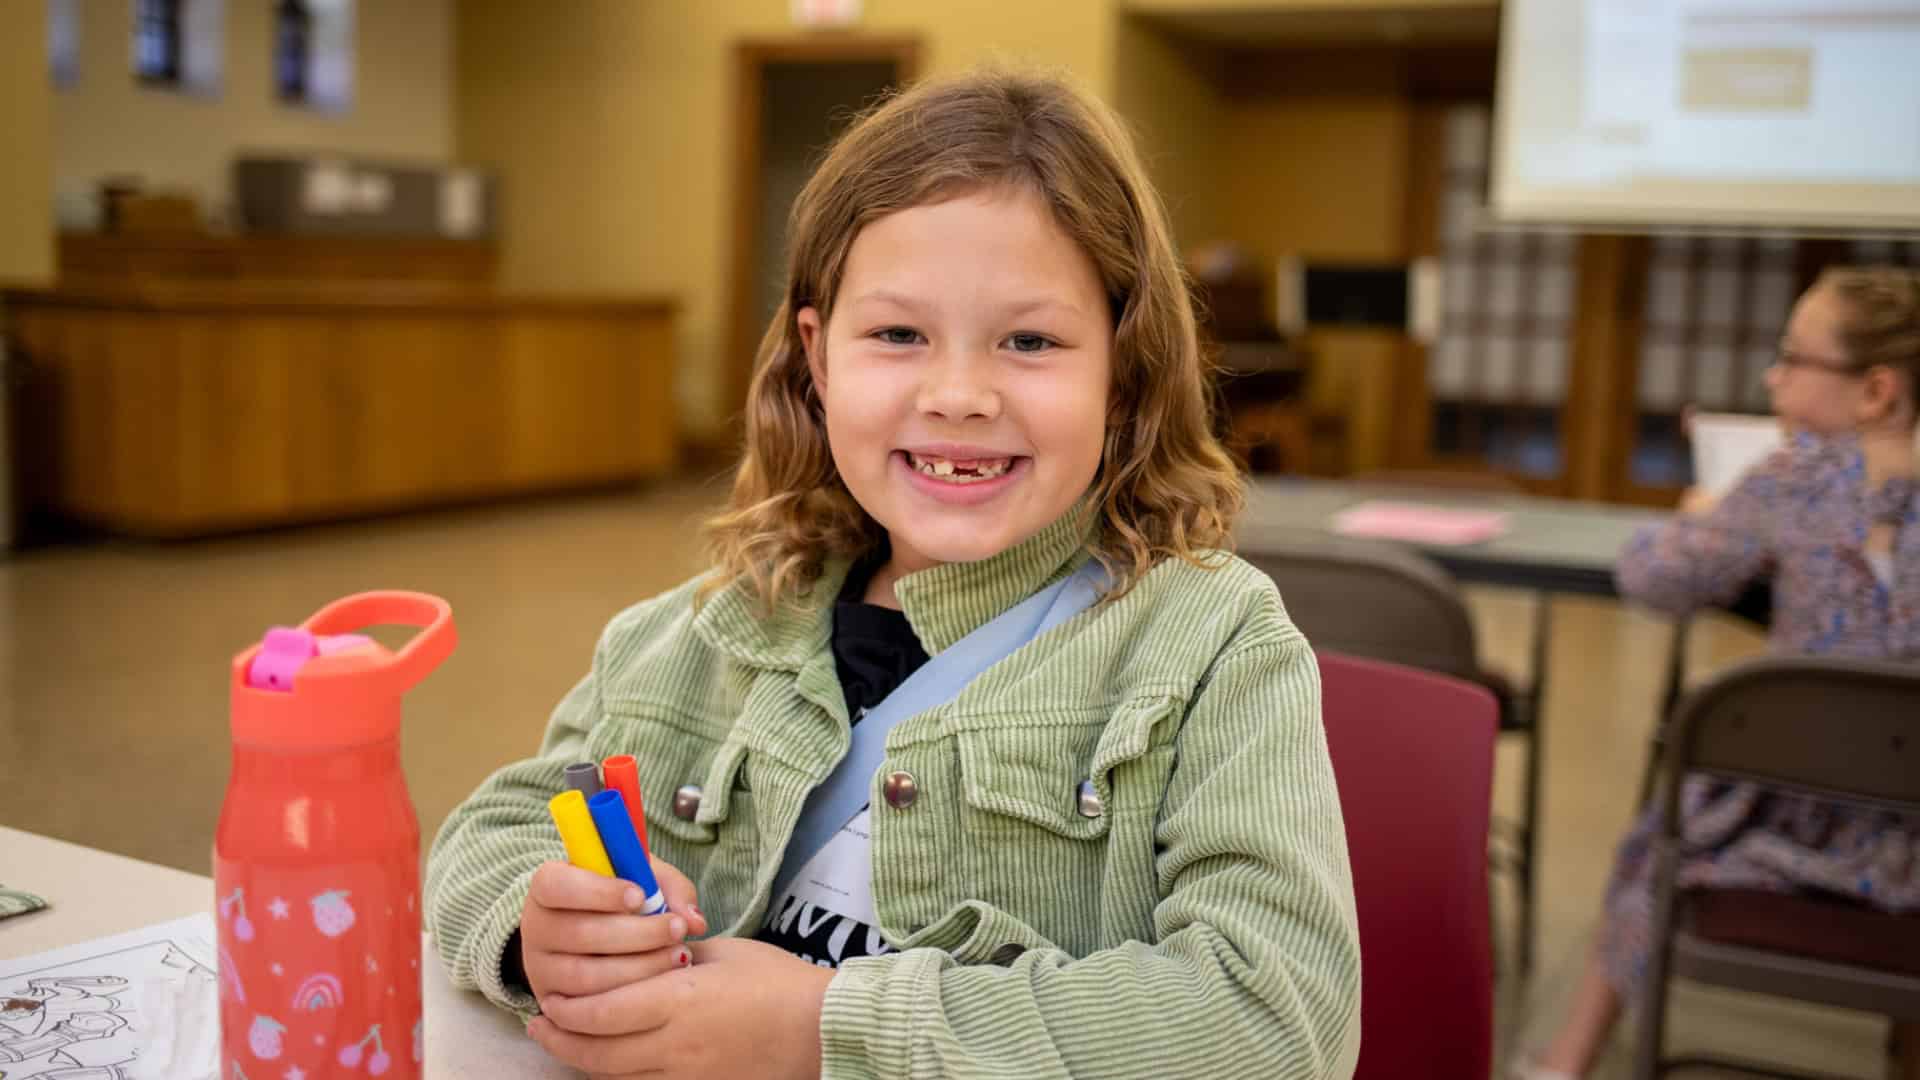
[874,647]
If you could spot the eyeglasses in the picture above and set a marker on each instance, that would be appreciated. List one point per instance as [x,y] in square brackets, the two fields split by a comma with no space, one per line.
[1793,361]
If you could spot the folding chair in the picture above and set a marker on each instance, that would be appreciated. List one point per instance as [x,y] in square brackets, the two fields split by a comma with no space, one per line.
[1842,730]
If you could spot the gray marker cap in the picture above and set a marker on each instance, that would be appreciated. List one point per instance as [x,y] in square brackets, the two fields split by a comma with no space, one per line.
[584,776]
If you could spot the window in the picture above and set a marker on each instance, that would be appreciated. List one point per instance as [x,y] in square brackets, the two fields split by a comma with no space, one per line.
[292,48]
[156,41]
[179,44]
[313,53]
[1498,369]
[63,42]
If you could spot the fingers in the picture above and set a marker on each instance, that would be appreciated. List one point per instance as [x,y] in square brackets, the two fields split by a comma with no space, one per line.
[597,1055]
[564,887]
[593,933]
[632,1009]
[576,975]
[682,897]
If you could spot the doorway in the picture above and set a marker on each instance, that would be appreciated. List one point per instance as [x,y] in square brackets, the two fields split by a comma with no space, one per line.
[792,98]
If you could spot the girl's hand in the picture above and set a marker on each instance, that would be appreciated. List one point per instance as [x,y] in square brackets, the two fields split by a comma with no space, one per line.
[581,933]
[744,1008]
[1696,502]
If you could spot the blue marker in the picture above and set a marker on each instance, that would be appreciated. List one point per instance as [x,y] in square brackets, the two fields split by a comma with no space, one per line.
[624,850]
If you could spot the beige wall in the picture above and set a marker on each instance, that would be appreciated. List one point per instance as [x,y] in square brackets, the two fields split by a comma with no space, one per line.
[612,130]
[1172,96]
[26,208]
[1324,177]
[1321,176]
[402,108]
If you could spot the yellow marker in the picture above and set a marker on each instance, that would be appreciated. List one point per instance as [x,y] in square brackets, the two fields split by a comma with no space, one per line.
[584,850]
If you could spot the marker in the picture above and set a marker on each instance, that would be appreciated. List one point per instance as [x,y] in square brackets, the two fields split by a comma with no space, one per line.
[624,850]
[584,777]
[569,810]
[623,776]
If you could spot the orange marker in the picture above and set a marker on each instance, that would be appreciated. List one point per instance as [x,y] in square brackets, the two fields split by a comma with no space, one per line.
[621,773]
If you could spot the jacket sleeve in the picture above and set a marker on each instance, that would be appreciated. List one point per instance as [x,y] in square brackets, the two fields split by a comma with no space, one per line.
[1255,970]
[1695,561]
[482,862]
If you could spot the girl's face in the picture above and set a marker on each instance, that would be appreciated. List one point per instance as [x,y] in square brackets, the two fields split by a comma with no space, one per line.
[1813,384]
[964,372]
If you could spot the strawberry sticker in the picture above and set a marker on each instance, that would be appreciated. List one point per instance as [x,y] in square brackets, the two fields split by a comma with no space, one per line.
[264,1038]
[332,915]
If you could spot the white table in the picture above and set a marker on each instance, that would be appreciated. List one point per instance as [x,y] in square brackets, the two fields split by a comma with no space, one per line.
[92,893]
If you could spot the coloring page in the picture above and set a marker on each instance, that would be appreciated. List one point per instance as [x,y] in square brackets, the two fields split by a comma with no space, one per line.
[116,1008]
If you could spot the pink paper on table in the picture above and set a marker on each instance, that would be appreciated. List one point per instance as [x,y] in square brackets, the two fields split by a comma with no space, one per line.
[1419,524]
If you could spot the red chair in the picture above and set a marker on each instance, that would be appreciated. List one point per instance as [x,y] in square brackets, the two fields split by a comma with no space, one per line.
[1413,757]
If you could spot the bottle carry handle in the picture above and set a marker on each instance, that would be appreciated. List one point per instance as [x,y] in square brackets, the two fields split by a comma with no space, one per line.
[415,660]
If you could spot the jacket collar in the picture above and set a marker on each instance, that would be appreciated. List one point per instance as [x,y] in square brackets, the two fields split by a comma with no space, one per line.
[943,604]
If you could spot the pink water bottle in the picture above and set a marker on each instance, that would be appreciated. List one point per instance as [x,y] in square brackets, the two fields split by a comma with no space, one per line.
[317,857]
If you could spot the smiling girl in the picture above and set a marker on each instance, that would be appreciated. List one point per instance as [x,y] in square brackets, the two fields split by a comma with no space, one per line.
[977,755]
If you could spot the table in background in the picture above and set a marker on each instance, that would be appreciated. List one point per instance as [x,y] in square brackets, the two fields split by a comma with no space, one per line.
[1550,546]
[94,894]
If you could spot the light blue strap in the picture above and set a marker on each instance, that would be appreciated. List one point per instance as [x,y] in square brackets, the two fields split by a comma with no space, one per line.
[849,787]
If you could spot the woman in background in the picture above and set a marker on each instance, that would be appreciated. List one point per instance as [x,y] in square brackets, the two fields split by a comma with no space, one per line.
[1830,520]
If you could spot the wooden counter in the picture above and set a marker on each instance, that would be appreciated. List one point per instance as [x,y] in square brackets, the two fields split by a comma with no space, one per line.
[175,407]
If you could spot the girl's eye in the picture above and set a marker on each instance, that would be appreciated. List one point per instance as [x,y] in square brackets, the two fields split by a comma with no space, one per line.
[1030,343]
[899,335]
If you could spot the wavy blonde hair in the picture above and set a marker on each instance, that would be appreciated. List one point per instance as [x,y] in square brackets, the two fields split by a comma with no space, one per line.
[1164,489]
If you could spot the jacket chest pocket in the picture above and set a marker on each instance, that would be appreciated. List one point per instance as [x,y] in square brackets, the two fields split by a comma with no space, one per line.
[1055,815]
[698,809]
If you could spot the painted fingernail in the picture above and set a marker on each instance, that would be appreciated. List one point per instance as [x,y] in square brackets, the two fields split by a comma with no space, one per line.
[695,912]
[681,958]
[635,900]
[677,926]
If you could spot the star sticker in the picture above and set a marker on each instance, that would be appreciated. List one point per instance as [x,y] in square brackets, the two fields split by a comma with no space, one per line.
[295,1072]
[278,909]
[319,1040]
[372,964]
[277,969]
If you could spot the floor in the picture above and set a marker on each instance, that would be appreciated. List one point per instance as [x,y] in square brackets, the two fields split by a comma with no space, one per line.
[113,661]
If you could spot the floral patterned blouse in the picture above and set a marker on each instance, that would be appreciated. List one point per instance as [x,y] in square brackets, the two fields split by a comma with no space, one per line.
[1800,520]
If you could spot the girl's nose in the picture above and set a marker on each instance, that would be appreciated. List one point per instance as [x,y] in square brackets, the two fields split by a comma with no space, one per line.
[959,386]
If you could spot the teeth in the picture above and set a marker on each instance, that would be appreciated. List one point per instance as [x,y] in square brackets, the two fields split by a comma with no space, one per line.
[945,469]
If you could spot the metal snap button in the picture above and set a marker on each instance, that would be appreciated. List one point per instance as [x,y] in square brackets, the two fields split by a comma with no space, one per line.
[900,789]
[686,802]
[1090,804]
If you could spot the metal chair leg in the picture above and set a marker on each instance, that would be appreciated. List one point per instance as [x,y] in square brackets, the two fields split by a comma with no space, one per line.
[1536,754]
[1650,1043]
[1669,697]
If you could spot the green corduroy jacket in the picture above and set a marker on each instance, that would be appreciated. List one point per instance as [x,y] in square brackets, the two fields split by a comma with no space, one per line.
[1201,923]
